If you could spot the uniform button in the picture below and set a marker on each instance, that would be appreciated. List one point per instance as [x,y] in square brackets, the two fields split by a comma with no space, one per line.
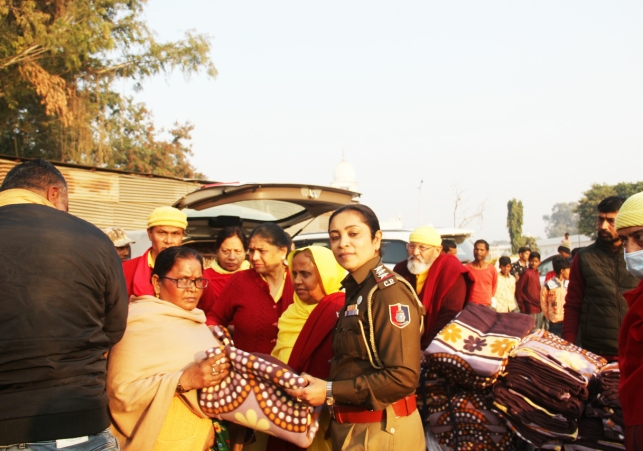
[392,430]
[274,306]
[273,340]
[274,324]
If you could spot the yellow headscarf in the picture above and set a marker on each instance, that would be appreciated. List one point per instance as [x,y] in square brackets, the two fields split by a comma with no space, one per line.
[22,196]
[293,319]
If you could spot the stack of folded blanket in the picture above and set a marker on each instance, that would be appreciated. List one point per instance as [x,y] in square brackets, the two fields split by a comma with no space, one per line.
[605,426]
[543,390]
[462,363]
[465,421]
[472,350]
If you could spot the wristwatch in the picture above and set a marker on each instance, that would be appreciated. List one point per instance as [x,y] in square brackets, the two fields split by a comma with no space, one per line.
[180,389]
[329,393]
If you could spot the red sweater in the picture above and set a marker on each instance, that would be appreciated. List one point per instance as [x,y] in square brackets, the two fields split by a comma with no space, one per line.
[216,285]
[630,358]
[528,292]
[246,303]
[485,282]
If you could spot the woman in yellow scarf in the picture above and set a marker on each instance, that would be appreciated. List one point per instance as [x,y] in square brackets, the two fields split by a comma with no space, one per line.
[305,328]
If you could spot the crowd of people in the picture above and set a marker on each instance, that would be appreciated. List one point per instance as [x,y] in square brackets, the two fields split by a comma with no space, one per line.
[104,351]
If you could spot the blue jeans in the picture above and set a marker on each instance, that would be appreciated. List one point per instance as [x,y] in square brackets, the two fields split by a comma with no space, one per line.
[104,441]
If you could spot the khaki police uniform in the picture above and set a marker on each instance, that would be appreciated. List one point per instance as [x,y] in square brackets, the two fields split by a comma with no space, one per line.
[376,359]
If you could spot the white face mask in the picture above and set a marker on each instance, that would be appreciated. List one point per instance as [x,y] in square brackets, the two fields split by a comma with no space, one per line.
[634,263]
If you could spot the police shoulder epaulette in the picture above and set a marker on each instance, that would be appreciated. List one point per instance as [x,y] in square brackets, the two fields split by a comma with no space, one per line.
[552,284]
[383,276]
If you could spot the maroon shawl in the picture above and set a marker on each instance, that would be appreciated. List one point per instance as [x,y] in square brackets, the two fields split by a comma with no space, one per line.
[444,272]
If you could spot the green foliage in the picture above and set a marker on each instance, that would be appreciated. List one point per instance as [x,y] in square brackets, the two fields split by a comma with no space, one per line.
[60,61]
[514,224]
[586,208]
[530,242]
[563,219]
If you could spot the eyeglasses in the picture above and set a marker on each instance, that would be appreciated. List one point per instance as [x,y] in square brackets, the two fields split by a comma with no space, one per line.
[187,283]
[420,247]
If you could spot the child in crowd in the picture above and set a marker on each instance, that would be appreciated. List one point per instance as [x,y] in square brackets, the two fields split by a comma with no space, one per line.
[552,296]
[528,291]
[505,298]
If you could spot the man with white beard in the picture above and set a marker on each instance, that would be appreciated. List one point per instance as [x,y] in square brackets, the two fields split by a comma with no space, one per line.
[441,282]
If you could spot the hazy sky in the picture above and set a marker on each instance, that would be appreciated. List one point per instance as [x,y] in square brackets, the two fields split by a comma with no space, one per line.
[535,100]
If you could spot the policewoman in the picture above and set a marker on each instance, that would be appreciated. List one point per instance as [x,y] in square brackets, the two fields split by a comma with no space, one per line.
[376,345]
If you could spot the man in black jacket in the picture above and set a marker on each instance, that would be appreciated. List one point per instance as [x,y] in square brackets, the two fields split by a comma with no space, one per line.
[595,306]
[63,304]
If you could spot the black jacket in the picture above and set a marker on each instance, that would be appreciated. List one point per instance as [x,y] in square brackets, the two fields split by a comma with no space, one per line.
[63,304]
[603,307]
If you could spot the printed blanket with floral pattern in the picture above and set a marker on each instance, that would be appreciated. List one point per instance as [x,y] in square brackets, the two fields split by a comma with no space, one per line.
[472,349]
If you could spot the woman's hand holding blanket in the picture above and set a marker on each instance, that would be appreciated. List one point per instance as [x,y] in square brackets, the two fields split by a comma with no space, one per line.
[205,373]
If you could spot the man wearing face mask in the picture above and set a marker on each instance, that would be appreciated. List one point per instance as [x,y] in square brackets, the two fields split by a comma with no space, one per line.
[597,281]
[629,225]
[440,280]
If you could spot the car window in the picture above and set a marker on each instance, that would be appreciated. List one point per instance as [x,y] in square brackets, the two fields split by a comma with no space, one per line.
[465,251]
[393,251]
[312,242]
[546,267]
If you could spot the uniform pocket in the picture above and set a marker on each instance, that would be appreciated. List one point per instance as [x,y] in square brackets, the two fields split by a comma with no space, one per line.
[349,340]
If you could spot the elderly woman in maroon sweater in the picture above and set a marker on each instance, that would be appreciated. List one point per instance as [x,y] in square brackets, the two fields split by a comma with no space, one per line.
[253,300]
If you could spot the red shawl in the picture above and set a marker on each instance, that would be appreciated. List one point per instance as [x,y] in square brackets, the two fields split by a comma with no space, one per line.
[313,349]
[444,273]
[630,358]
[138,276]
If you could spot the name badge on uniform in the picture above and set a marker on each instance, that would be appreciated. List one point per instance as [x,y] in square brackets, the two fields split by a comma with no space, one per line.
[399,315]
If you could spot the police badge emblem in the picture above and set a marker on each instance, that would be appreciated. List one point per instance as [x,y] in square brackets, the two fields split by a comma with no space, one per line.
[399,315]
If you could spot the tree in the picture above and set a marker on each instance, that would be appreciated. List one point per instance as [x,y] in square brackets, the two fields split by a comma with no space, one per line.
[59,63]
[531,243]
[463,218]
[587,204]
[514,224]
[563,219]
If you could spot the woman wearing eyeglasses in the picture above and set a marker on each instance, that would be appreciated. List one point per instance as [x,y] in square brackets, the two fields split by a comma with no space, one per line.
[230,257]
[253,300]
[155,370]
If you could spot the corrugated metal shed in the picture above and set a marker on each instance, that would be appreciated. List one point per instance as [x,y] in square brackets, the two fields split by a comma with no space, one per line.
[114,198]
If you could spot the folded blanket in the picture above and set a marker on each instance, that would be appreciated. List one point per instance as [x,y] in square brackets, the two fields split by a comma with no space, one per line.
[529,419]
[568,356]
[254,395]
[605,404]
[472,349]
[534,388]
[591,437]
[473,426]
[552,379]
